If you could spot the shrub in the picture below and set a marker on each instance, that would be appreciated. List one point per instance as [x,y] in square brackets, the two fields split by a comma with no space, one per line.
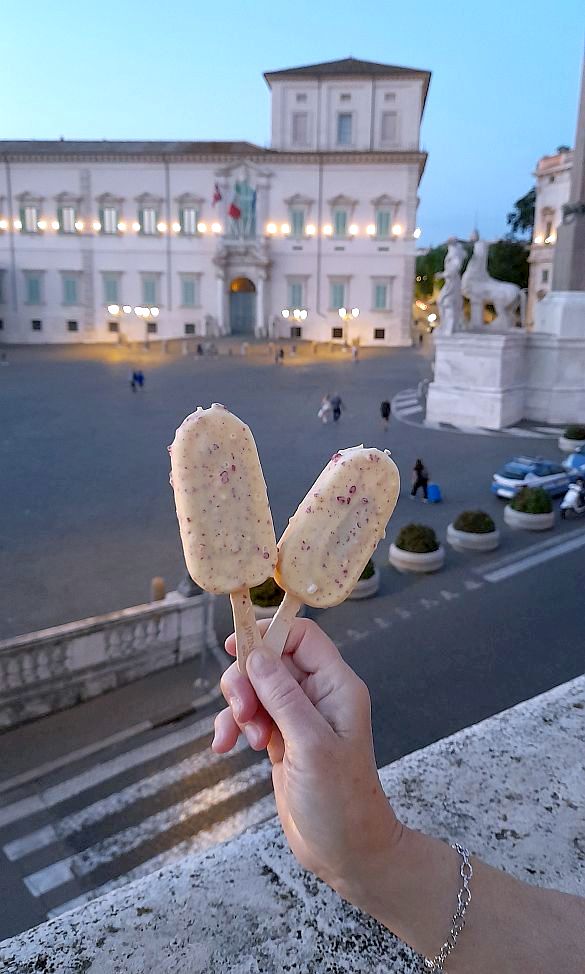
[368,571]
[267,594]
[574,432]
[532,500]
[474,522]
[418,538]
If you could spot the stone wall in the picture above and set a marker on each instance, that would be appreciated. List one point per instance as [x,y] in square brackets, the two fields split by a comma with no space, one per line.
[511,788]
[45,671]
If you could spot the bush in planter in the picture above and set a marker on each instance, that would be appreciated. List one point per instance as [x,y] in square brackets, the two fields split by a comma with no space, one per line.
[418,538]
[267,595]
[368,571]
[474,522]
[574,432]
[532,500]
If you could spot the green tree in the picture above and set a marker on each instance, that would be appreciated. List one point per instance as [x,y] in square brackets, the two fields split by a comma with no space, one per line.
[427,266]
[508,261]
[521,218]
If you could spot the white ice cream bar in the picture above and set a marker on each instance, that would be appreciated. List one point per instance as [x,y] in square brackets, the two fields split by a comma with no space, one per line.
[222,505]
[337,526]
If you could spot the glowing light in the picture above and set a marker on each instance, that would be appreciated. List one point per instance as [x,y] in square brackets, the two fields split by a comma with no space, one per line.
[310,229]
[416,233]
[126,309]
[161,227]
[370,230]
[297,313]
[176,227]
[355,312]
[285,312]
[79,224]
[122,227]
[114,309]
[327,229]
[551,238]
[432,317]
[96,225]
[141,312]
[55,224]
[3,224]
[303,314]
[342,312]
[353,229]
[539,238]
[154,312]
[285,228]
[270,228]
[17,225]
[42,224]
[136,226]
[216,227]
[421,304]
[396,229]
[201,228]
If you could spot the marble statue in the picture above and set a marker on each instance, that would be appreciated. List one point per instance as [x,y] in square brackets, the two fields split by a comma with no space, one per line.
[450,300]
[481,289]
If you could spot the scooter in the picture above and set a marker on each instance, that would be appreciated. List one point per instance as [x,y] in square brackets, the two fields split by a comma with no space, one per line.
[573,501]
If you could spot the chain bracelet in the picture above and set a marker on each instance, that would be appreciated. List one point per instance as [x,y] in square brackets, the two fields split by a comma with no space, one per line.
[463,901]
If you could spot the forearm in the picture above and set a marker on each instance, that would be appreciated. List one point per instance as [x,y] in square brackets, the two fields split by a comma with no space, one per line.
[510,926]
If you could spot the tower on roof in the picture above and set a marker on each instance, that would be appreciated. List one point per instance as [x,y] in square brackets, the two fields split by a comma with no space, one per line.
[347,105]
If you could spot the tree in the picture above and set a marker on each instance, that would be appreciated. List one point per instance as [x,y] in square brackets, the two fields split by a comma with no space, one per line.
[427,266]
[521,218]
[508,261]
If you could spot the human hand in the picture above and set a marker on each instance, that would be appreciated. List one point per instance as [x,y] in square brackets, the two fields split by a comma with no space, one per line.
[312,713]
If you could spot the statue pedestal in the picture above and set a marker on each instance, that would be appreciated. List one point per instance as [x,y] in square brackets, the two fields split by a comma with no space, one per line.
[555,386]
[479,379]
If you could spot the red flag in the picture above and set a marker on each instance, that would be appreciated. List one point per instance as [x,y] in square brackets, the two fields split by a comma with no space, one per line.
[234,210]
[216,195]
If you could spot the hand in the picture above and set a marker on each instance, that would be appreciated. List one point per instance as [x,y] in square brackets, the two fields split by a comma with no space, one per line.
[312,713]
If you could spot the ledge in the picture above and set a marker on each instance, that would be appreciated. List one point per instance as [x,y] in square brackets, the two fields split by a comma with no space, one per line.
[512,788]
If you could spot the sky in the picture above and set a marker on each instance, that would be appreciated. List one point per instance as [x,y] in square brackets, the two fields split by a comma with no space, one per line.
[504,89]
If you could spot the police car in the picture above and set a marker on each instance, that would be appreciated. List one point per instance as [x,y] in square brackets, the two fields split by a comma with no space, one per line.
[530,472]
[575,462]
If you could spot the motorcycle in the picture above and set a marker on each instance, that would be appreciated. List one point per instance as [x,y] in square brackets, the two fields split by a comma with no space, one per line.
[573,501]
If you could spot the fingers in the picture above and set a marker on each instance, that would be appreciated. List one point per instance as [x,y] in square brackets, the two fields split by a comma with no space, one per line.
[283,698]
[226,732]
[239,693]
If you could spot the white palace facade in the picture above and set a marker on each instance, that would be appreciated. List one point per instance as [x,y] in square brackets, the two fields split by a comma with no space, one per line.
[553,184]
[112,241]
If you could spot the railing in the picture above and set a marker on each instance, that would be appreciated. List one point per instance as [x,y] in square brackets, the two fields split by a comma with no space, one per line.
[45,671]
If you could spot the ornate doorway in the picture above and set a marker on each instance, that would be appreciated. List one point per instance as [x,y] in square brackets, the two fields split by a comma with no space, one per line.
[242,306]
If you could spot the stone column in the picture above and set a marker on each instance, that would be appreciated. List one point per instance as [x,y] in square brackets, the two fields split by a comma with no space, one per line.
[221,324]
[260,306]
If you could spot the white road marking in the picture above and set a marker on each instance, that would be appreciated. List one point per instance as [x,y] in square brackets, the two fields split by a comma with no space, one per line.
[114,803]
[544,545]
[403,613]
[382,623]
[537,559]
[472,585]
[448,596]
[223,831]
[85,862]
[356,635]
[101,772]
[411,410]
[428,603]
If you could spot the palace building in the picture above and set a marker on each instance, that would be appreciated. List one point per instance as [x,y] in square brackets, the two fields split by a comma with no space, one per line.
[553,184]
[312,238]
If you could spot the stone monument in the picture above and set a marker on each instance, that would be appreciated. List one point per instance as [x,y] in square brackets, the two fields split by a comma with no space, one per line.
[450,300]
[480,289]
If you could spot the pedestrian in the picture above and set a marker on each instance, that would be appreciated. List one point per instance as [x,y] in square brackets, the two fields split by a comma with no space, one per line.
[420,337]
[326,411]
[133,382]
[337,405]
[385,411]
[140,378]
[420,478]
[281,355]
[199,349]
[341,826]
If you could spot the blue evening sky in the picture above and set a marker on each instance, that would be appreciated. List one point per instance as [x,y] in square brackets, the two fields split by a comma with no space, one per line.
[504,88]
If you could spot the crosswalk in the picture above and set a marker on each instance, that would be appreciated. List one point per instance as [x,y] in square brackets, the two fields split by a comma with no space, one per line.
[409,407]
[117,815]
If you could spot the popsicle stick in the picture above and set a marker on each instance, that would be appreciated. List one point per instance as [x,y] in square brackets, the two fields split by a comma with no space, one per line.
[247,633]
[276,635]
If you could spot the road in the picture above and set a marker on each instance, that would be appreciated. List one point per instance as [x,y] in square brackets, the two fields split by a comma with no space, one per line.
[438,652]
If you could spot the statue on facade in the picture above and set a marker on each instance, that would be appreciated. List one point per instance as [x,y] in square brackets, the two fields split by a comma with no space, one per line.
[450,300]
[481,289]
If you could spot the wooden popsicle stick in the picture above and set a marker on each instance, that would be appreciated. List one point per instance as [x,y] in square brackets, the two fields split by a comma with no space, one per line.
[247,633]
[276,635]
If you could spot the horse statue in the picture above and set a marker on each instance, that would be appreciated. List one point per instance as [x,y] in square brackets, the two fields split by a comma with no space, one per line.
[481,289]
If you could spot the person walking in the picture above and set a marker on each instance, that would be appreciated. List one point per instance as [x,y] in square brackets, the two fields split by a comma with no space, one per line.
[420,478]
[385,411]
[337,405]
[133,382]
[326,411]
[140,379]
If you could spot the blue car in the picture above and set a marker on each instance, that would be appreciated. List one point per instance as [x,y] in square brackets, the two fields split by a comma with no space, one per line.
[530,472]
[575,462]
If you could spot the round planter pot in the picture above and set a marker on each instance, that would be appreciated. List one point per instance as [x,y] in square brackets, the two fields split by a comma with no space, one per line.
[467,541]
[266,612]
[569,446]
[529,522]
[367,587]
[412,561]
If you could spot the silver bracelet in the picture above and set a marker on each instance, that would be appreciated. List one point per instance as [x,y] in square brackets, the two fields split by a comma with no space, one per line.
[463,901]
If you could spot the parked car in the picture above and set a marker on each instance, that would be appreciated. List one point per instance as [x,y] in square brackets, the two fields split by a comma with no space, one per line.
[530,472]
[575,462]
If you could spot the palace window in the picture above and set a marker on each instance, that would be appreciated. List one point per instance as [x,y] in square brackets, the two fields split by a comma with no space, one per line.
[389,127]
[29,218]
[381,294]
[389,96]
[379,334]
[301,98]
[189,327]
[150,289]
[383,222]
[189,218]
[33,287]
[67,216]
[111,284]
[189,290]
[113,326]
[344,128]
[337,295]
[297,221]
[109,219]
[340,222]
[151,327]
[295,294]
[337,332]
[296,331]
[345,97]
[36,324]
[148,219]
[72,326]
[300,128]
[70,283]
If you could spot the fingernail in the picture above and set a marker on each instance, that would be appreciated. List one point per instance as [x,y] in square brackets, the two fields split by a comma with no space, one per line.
[253,734]
[236,705]
[262,663]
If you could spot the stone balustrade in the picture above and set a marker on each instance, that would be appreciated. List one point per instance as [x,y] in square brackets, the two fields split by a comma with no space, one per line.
[511,788]
[45,671]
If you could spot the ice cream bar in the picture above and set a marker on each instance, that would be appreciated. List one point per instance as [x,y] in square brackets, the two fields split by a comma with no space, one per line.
[333,533]
[224,517]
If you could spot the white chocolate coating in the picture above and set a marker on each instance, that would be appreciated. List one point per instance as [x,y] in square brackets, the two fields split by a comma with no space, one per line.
[337,526]
[221,500]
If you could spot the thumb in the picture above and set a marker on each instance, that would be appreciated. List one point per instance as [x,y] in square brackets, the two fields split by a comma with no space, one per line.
[280,694]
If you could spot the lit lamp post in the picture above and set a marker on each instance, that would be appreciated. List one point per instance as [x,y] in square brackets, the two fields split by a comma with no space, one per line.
[347,315]
[296,315]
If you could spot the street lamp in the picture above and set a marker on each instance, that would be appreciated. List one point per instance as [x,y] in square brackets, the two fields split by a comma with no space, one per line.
[298,314]
[348,315]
